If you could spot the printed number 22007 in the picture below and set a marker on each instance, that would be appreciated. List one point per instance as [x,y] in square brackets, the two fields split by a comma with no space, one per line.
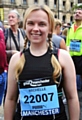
[38,98]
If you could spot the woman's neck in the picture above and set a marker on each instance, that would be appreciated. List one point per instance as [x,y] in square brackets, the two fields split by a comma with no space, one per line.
[14,28]
[38,50]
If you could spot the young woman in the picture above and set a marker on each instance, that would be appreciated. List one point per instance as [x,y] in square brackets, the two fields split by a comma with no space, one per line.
[36,73]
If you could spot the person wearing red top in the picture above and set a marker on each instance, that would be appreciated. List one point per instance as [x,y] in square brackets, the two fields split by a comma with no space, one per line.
[3,65]
[3,62]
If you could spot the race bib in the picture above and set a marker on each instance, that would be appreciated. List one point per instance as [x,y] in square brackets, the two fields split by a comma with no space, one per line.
[75,45]
[39,101]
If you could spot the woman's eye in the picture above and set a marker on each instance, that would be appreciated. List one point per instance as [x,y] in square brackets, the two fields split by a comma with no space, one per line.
[42,24]
[11,17]
[30,23]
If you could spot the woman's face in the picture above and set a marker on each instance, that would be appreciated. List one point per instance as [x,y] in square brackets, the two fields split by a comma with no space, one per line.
[37,26]
[12,19]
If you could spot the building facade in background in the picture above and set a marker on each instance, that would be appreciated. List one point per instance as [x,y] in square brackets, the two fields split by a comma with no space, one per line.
[79,1]
[62,9]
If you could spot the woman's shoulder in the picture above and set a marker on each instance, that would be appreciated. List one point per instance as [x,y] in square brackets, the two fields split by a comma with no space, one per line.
[62,52]
[15,58]
[64,57]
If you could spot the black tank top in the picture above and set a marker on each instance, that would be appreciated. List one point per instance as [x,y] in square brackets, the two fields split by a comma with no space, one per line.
[40,67]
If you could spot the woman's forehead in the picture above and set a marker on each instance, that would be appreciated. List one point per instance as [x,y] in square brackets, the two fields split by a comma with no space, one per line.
[12,14]
[38,14]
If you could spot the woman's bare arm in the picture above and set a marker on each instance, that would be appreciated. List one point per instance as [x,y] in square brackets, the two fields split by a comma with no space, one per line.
[12,89]
[69,84]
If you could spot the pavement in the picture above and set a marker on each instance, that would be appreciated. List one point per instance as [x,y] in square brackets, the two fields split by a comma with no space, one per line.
[1,113]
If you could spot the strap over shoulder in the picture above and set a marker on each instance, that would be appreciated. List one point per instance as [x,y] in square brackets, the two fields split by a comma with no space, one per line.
[23,33]
[54,51]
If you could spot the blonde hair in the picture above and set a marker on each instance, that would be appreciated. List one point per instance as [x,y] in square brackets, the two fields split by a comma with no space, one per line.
[65,31]
[57,22]
[55,63]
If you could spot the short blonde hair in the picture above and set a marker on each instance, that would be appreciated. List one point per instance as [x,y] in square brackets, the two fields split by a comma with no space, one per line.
[57,22]
[65,31]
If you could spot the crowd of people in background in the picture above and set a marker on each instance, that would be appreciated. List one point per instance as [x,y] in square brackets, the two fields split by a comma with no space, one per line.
[16,44]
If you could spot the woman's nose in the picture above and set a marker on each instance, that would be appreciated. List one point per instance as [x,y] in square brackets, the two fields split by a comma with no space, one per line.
[36,27]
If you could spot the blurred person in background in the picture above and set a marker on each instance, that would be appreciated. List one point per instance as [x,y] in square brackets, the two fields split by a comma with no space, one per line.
[57,40]
[14,36]
[3,63]
[74,45]
[64,33]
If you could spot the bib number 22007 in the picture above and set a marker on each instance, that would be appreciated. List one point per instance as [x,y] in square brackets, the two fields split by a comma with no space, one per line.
[38,98]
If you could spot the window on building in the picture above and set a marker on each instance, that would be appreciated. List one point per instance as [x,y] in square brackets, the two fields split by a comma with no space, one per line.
[55,16]
[55,3]
[46,2]
[64,18]
[12,1]
[64,4]
[35,1]
[24,2]
[71,4]
[71,19]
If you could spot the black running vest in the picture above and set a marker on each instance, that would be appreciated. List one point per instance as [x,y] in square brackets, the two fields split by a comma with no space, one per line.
[40,67]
